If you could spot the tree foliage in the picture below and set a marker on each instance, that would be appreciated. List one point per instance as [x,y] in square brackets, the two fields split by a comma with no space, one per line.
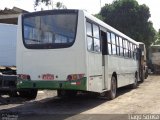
[157,42]
[47,2]
[130,18]
[51,3]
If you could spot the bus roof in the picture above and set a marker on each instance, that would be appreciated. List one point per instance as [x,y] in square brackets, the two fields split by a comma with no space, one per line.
[101,23]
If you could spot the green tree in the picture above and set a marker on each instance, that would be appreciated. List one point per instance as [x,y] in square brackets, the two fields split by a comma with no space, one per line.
[130,18]
[51,3]
[37,2]
[157,42]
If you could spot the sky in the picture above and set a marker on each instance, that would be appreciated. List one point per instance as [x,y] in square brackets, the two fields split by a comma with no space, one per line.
[92,6]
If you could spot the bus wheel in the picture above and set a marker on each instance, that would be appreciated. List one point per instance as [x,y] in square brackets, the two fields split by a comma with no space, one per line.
[28,93]
[112,93]
[135,84]
[142,77]
[13,93]
[146,74]
[61,93]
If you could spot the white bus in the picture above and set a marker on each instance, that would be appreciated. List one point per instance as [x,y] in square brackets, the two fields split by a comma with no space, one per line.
[154,59]
[70,51]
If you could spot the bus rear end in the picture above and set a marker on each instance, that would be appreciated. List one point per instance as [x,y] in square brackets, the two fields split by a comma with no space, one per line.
[50,52]
[154,59]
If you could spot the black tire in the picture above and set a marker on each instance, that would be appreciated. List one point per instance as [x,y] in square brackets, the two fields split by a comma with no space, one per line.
[61,93]
[135,84]
[28,93]
[13,93]
[142,78]
[146,74]
[66,93]
[112,93]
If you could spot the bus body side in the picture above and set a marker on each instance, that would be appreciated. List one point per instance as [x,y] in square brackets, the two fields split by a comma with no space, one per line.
[101,67]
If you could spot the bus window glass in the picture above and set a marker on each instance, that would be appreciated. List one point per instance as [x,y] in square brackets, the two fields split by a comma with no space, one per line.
[96,45]
[120,42]
[108,37]
[95,31]
[113,38]
[89,29]
[124,50]
[134,55]
[127,53]
[129,45]
[124,43]
[113,49]
[117,40]
[54,30]
[93,37]
[133,47]
[121,51]
[60,39]
[90,43]
[109,49]
[127,49]
[118,52]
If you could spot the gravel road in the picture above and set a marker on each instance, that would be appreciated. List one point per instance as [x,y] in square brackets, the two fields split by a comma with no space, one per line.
[143,100]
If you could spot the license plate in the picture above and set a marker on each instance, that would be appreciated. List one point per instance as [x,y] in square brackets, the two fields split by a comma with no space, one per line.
[48,77]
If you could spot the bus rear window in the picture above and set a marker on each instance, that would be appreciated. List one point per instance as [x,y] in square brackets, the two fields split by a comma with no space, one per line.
[49,31]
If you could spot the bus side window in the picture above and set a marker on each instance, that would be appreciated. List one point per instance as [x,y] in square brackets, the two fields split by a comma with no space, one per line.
[121,46]
[93,38]
[90,43]
[124,47]
[89,29]
[134,52]
[127,48]
[131,51]
[117,45]
[109,43]
[113,39]
[97,47]
[89,36]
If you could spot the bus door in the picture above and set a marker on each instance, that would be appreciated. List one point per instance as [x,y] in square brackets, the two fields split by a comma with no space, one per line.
[139,58]
[104,53]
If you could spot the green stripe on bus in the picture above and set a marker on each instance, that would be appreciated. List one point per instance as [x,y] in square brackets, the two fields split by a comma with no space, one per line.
[53,85]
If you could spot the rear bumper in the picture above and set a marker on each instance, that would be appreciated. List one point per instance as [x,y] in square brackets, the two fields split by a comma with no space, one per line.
[53,85]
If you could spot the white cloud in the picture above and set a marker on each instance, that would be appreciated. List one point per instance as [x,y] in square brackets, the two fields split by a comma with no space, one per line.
[23,4]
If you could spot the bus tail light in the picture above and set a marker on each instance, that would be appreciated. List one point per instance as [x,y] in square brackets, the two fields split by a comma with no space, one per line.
[75,76]
[24,76]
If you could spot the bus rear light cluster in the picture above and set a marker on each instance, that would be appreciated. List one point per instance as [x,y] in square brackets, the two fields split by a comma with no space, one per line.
[75,76]
[24,76]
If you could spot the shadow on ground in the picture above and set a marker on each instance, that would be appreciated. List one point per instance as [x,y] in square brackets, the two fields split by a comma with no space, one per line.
[56,108]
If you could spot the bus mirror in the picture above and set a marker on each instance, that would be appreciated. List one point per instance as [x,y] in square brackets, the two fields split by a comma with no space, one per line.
[143,53]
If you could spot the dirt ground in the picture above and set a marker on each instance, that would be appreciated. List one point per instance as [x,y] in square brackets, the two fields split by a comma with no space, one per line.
[143,100]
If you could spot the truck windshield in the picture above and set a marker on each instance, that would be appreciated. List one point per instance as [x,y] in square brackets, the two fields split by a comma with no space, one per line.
[49,30]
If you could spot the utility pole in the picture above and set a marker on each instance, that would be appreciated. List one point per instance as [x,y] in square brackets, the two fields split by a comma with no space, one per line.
[100,4]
